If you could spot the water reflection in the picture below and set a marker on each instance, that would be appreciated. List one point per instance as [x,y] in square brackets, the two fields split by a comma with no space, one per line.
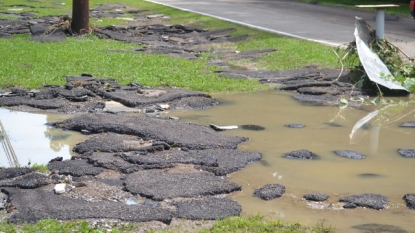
[33,141]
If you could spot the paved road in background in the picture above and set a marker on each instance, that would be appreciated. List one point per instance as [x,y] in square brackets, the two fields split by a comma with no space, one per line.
[329,25]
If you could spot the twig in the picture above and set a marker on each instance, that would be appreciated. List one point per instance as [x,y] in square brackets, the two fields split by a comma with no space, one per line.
[341,63]
[400,50]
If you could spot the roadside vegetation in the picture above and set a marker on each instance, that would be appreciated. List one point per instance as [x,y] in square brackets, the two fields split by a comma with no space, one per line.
[255,224]
[31,64]
[40,168]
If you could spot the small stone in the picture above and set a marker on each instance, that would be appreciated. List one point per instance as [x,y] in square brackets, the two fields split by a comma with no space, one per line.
[270,191]
[349,154]
[294,125]
[410,200]
[316,197]
[349,206]
[407,153]
[57,159]
[3,200]
[301,154]
[60,188]
[408,124]
[373,201]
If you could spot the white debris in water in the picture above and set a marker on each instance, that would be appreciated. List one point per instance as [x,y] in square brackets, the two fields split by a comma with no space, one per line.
[222,128]
[324,206]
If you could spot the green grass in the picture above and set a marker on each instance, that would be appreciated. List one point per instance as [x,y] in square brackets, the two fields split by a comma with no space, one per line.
[255,224]
[31,64]
[40,8]
[40,168]
[54,226]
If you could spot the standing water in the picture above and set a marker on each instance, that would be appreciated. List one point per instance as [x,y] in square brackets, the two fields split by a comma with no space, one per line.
[327,129]
[32,141]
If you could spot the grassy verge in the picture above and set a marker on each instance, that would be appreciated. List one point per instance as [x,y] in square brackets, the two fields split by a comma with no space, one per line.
[255,224]
[32,64]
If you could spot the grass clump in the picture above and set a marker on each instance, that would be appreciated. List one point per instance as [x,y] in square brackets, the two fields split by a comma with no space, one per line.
[254,223]
[40,168]
[51,226]
[257,223]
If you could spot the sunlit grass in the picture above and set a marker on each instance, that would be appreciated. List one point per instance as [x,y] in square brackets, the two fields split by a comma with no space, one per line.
[257,224]
[39,8]
[32,64]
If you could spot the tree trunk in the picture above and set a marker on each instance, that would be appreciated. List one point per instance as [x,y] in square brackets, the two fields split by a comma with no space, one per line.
[80,16]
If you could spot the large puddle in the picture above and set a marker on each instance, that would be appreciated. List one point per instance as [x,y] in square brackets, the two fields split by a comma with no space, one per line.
[32,141]
[383,171]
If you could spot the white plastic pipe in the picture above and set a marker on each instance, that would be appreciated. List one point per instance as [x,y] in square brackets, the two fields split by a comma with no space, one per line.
[380,23]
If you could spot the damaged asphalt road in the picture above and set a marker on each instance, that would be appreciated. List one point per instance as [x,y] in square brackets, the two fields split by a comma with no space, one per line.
[174,166]
[143,168]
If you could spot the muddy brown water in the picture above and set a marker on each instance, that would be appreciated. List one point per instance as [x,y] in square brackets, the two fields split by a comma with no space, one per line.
[383,171]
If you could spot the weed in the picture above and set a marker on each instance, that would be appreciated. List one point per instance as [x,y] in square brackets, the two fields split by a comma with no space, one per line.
[257,223]
[40,168]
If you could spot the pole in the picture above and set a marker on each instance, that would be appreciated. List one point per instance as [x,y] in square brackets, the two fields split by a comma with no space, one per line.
[80,16]
[380,23]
